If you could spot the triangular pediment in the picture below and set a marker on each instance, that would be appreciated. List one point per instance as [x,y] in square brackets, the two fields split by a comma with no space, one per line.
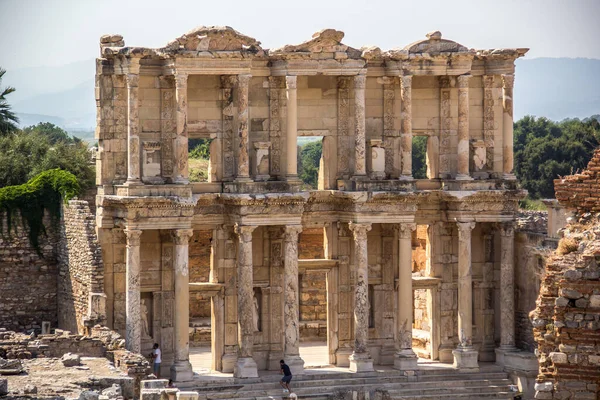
[324,41]
[435,44]
[215,38]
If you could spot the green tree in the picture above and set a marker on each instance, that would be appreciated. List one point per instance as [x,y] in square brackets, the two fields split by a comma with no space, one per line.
[199,148]
[8,120]
[54,133]
[308,166]
[419,153]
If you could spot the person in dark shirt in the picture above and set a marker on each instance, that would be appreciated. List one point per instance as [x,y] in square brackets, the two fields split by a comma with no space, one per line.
[287,376]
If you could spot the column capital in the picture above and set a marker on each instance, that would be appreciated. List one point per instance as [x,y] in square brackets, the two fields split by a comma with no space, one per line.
[488,81]
[405,230]
[228,81]
[133,236]
[291,232]
[359,230]
[343,82]
[244,232]
[406,81]
[465,228]
[243,80]
[387,80]
[133,65]
[181,79]
[182,236]
[291,81]
[360,81]
[132,80]
[507,229]
[508,81]
[463,81]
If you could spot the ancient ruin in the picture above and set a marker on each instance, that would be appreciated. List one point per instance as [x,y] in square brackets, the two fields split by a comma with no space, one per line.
[367,105]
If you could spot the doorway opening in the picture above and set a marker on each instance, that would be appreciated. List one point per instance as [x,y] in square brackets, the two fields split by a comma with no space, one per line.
[310,150]
[199,165]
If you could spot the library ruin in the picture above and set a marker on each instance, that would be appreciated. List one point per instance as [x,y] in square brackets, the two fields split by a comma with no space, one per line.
[238,247]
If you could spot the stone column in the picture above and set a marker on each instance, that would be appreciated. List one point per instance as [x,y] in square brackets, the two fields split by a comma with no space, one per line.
[507,291]
[133,124]
[360,360]
[243,167]
[360,169]
[292,128]
[133,315]
[406,127]
[245,366]
[291,304]
[181,370]
[463,128]
[405,358]
[507,126]
[465,357]
[180,146]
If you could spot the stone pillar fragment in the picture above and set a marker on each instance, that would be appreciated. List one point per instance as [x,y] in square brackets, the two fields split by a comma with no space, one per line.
[488,119]
[507,126]
[180,146]
[133,124]
[406,127]
[292,128]
[463,127]
[405,358]
[359,126]
[291,305]
[133,315]
[243,167]
[360,360]
[227,84]
[245,366]
[465,357]
[181,370]
[507,291]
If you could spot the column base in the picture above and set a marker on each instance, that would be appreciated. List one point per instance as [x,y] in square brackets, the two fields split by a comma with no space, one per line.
[359,177]
[501,352]
[406,178]
[245,367]
[295,363]
[228,362]
[509,177]
[465,359]
[262,178]
[293,179]
[181,371]
[405,360]
[243,179]
[133,182]
[361,362]
[463,177]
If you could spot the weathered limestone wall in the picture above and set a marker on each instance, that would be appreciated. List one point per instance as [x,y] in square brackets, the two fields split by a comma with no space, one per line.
[81,299]
[28,280]
[310,244]
[199,264]
[581,192]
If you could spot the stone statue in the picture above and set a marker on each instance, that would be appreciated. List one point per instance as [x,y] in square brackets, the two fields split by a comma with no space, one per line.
[255,314]
[145,324]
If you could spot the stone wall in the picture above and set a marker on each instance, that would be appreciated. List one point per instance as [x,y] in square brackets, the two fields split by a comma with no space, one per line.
[310,244]
[581,191]
[199,264]
[81,300]
[27,278]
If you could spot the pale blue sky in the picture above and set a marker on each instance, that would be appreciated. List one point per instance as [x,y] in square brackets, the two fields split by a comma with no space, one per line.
[57,32]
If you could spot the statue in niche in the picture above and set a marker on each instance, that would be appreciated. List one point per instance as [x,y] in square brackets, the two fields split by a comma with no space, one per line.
[145,319]
[255,314]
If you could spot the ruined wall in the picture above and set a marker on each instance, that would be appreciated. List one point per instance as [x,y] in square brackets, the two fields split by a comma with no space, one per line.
[581,191]
[28,280]
[199,264]
[81,276]
[310,244]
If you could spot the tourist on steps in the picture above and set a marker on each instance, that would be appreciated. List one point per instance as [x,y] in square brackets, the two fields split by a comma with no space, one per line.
[287,376]
[156,360]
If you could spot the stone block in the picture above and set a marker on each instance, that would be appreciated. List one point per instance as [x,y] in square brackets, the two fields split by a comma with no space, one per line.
[3,387]
[558,358]
[187,395]
[544,386]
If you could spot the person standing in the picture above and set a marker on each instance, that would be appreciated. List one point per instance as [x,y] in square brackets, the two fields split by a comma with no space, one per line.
[156,358]
[287,376]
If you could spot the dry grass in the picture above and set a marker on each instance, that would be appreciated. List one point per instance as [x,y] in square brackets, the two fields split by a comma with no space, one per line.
[198,170]
[567,245]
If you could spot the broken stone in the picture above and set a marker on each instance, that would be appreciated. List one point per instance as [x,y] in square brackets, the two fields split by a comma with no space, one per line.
[70,360]
[571,294]
[30,389]
[112,392]
[10,367]
[3,387]
[88,395]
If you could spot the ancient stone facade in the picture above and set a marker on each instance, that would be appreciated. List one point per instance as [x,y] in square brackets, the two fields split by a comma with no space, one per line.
[367,105]
[581,192]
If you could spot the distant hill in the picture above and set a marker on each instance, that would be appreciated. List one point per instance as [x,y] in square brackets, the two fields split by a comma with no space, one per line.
[556,88]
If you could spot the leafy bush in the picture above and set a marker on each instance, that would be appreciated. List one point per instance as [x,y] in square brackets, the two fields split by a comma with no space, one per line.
[199,149]
[308,163]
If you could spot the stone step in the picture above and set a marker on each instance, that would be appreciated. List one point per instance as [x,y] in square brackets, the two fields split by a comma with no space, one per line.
[481,387]
[453,396]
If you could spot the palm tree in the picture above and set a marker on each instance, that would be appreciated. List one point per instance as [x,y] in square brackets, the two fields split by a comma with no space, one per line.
[8,119]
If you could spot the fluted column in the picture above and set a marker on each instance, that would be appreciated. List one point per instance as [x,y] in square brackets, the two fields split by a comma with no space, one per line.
[181,370]
[180,146]
[245,366]
[243,167]
[507,287]
[360,169]
[292,128]
[507,126]
[405,358]
[406,126]
[133,316]
[360,359]
[463,128]
[133,124]
[465,357]
[291,307]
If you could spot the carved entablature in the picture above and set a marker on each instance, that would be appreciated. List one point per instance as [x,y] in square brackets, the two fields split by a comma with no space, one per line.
[484,202]
[214,39]
[434,45]
[324,41]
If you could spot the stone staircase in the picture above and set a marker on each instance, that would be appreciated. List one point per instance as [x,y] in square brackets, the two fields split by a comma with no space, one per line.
[433,384]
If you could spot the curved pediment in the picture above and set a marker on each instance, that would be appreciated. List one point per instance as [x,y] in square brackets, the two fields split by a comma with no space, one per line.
[435,44]
[324,41]
[215,38]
